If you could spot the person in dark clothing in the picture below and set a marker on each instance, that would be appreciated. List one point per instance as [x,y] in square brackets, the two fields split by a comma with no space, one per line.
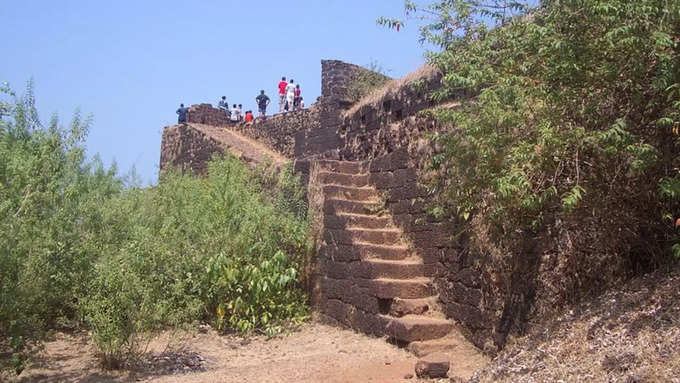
[223,105]
[297,97]
[262,102]
[182,114]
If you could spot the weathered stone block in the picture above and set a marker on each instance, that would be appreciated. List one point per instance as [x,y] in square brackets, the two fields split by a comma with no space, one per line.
[433,366]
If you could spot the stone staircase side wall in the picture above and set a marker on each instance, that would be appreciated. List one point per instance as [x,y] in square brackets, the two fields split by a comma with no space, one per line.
[460,291]
[315,200]
[390,135]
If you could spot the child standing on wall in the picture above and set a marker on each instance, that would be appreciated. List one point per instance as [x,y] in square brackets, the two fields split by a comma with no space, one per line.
[249,117]
[240,112]
[282,93]
[290,95]
[296,100]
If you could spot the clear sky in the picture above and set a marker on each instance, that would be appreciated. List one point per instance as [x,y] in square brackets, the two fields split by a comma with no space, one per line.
[130,63]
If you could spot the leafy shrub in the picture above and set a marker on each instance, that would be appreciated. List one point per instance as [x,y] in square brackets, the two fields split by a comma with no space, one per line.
[577,113]
[77,248]
[49,195]
[562,170]
[218,248]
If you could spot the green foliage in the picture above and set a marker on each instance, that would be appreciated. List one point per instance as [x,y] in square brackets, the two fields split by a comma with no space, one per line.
[79,249]
[258,295]
[577,110]
[49,195]
[445,22]
[227,247]
[364,82]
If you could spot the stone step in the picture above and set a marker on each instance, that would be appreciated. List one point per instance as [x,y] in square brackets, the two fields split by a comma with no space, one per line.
[351,221]
[401,307]
[364,251]
[334,206]
[372,269]
[352,236]
[397,288]
[342,179]
[396,269]
[347,167]
[411,328]
[446,344]
[368,194]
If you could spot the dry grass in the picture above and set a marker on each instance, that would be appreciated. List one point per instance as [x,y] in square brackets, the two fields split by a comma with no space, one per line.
[629,335]
[392,87]
[241,146]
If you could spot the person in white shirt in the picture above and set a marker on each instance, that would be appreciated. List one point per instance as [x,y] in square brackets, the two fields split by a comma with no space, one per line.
[235,115]
[301,105]
[290,95]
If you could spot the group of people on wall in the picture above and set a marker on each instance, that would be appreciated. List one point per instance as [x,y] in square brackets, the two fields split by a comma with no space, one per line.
[290,99]
[290,96]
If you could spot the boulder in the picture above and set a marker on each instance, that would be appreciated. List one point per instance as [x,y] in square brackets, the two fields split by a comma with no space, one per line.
[433,366]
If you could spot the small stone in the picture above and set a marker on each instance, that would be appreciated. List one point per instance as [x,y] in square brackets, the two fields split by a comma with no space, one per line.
[408,376]
[433,366]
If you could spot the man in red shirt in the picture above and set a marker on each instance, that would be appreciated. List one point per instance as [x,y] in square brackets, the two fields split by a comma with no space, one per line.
[282,93]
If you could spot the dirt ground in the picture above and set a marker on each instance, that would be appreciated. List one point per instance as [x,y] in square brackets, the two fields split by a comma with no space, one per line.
[315,353]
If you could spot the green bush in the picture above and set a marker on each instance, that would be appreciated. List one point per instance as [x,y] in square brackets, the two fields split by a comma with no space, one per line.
[575,118]
[78,248]
[223,248]
[49,197]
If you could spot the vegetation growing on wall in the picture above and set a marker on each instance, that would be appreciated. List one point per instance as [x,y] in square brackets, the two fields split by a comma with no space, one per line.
[364,82]
[574,132]
[79,248]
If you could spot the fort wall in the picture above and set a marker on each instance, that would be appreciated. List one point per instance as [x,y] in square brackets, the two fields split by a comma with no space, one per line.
[386,134]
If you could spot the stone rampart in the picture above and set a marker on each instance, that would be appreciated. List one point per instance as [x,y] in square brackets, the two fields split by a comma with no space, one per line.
[277,132]
[186,148]
[386,134]
[206,114]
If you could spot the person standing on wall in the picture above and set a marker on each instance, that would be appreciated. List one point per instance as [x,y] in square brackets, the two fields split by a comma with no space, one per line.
[182,114]
[290,95]
[302,103]
[296,100]
[234,114]
[282,93]
[223,105]
[240,112]
[262,102]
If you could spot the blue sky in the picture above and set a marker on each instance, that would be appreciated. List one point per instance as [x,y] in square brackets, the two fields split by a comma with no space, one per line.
[130,63]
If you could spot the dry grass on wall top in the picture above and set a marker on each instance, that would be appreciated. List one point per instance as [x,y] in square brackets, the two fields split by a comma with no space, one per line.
[425,72]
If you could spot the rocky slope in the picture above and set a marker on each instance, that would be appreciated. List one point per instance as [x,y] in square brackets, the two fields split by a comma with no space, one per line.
[627,335]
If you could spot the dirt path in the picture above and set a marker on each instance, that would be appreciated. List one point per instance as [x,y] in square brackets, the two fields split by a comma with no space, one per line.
[316,353]
[241,145]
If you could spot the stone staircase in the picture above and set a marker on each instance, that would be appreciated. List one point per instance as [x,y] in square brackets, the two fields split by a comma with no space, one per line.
[371,280]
